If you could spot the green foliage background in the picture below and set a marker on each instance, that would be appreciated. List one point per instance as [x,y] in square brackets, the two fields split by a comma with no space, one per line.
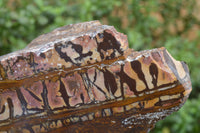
[148,24]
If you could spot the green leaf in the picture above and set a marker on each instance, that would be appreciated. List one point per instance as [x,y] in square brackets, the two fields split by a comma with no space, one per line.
[42,20]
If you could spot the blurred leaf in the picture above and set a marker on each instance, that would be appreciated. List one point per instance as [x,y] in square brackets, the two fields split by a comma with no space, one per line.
[42,20]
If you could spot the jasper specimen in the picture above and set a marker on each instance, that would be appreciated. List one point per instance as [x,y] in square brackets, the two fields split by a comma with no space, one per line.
[84,78]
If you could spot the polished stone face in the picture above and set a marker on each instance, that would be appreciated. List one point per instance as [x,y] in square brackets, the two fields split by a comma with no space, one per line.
[84,78]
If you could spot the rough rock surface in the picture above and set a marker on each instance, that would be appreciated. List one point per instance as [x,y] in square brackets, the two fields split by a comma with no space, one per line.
[84,78]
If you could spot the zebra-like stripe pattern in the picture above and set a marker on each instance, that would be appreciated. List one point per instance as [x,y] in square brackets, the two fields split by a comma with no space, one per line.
[88,78]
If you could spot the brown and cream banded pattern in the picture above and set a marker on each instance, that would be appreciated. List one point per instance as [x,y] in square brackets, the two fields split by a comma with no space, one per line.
[84,78]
